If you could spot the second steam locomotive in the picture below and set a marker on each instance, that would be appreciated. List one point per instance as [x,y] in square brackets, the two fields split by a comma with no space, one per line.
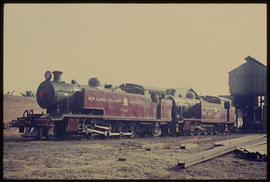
[128,110]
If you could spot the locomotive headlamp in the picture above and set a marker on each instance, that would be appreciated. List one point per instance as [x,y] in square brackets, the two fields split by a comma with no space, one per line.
[48,75]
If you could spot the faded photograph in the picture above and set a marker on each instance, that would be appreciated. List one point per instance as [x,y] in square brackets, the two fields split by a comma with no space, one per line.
[134,91]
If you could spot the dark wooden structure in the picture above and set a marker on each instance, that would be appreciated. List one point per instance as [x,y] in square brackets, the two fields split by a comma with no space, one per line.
[248,87]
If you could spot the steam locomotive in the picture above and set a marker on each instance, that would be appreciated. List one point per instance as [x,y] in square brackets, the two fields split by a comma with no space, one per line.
[126,110]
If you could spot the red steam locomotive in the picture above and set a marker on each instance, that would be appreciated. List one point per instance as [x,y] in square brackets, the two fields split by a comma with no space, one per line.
[127,110]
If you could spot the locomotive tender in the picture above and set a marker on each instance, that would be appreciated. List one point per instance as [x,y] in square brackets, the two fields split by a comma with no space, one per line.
[127,110]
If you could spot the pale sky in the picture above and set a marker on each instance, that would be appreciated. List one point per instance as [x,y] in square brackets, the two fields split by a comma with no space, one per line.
[160,45]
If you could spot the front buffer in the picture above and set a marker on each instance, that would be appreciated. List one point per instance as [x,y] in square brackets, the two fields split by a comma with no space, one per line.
[34,125]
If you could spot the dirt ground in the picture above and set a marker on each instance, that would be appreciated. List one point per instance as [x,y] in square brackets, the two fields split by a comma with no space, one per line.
[125,158]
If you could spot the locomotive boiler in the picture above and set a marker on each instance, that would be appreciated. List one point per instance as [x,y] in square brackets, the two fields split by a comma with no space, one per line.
[56,95]
[125,110]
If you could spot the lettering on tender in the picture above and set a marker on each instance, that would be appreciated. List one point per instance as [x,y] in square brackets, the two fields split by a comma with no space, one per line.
[135,102]
[91,98]
[114,100]
[124,110]
[101,99]
[125,101]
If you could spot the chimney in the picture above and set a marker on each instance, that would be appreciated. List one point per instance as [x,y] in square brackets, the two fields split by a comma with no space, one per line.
[57,76]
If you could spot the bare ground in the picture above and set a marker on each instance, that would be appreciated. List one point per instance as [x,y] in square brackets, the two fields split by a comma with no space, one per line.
[140,158]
